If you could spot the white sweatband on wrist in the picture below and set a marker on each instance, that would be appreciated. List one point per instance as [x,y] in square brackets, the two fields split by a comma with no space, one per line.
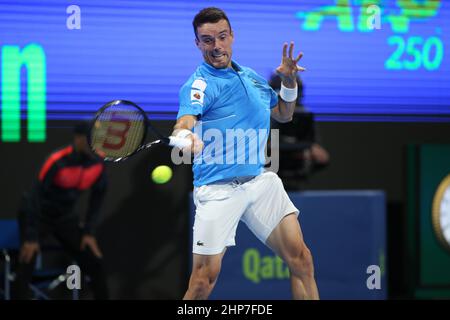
[288,94]
[183,133]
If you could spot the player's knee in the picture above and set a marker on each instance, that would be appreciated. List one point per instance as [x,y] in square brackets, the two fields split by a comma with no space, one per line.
[300,262]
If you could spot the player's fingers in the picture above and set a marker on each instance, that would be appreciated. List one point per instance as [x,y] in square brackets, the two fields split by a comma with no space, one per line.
[198,147]
[189,148]
[285,45]
[197,144]
[300,55]
[300,68]
[192,138]
[291,49]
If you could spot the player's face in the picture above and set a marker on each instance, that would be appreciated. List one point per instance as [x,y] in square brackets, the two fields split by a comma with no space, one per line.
[215,41]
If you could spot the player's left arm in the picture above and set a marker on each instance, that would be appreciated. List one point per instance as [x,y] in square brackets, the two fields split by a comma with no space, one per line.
[287,71]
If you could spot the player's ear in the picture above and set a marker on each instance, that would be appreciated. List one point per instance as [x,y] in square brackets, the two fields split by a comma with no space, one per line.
[197,43]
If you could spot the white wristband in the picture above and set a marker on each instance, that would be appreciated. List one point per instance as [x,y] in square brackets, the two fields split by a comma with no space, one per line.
[183,133]
[288,94]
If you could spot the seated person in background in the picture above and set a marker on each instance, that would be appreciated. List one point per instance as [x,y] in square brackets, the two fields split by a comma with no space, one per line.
[48,210]
[300,152]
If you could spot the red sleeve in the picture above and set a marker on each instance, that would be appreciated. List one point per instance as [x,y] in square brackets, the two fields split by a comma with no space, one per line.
[54,157]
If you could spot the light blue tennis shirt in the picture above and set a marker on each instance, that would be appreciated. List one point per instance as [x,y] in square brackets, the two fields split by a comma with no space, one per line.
[233,107]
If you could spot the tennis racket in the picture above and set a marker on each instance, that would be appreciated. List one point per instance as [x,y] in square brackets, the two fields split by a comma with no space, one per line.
[119,130]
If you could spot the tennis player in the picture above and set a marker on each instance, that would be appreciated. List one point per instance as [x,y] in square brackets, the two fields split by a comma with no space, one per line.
[222,96]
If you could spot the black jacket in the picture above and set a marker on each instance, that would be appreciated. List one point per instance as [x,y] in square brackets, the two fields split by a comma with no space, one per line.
[62,179]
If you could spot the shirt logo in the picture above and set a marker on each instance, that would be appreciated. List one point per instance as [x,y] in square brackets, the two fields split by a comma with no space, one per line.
[198,91]
[197,96]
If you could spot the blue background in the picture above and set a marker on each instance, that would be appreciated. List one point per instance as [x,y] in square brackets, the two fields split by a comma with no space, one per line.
[144,51]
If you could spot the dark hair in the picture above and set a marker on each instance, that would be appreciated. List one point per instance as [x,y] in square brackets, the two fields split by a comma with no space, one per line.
[209,15]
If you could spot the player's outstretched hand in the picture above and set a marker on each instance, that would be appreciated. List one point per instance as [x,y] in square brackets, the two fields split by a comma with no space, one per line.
[289,67]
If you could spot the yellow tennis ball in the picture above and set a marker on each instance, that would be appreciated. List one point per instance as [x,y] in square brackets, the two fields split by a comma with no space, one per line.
[161,174]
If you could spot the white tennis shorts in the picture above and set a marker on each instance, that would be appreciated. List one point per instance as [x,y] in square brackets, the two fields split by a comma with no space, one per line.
[260,202]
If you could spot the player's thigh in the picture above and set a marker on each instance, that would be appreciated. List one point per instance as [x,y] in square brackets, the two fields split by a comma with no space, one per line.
[270,204]
[286,240]
[218,211]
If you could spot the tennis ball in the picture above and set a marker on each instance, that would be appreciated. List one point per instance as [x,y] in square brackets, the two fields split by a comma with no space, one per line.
[161,174]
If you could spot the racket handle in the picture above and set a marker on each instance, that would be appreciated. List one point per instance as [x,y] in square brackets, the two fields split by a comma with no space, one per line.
[179,142]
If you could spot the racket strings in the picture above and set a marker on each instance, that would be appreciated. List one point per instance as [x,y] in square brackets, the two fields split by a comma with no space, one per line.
[118,131]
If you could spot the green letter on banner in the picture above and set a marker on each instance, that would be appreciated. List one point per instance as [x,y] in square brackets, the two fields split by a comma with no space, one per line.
[33,58]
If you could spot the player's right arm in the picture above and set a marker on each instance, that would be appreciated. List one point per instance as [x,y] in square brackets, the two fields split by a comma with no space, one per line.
[193,100]
[184,124]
